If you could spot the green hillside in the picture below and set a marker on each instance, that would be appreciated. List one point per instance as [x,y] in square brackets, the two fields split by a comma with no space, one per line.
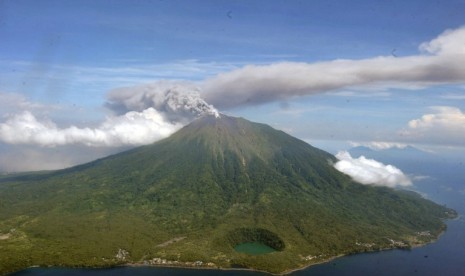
[192,198]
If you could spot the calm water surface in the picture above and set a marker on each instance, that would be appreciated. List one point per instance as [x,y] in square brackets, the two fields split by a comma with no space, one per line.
[253,248]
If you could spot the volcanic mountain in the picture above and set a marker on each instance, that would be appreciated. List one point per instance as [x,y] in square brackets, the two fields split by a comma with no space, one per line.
[192,198]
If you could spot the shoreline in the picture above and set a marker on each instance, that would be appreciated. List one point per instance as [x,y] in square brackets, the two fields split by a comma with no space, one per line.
[183,265]
[286,272]
[187,267]
[196,267]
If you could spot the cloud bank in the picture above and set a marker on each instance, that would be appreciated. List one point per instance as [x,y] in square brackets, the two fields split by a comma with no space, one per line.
[132,128]
[140,118]
[440,61]
[369,171]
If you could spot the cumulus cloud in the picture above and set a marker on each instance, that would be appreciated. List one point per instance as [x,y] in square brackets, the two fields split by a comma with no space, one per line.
[142,115]
[369,171]
[132,128]
[446,124]
[440,61]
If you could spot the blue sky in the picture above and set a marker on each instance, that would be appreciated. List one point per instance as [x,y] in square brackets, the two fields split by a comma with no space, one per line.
[63,62]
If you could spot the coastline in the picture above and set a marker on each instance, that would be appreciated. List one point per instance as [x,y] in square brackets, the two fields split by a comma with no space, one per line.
[183,265]
[286,272]
[190,267]
[196,267]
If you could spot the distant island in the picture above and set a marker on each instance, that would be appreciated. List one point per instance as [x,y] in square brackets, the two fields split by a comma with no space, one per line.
[222,192]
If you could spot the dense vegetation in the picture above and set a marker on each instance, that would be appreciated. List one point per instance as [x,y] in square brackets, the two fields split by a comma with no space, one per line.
[181,198]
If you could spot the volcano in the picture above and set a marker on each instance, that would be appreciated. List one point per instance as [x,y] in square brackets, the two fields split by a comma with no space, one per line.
[194,198]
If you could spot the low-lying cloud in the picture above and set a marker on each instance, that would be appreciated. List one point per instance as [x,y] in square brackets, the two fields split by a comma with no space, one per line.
[440,61]
[370,172]
[140,118]
[132,128]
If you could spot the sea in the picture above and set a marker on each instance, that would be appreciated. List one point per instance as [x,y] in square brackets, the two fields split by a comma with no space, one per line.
[439,179]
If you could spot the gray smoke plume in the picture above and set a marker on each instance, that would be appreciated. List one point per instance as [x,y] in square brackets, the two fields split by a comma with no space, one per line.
[177,102]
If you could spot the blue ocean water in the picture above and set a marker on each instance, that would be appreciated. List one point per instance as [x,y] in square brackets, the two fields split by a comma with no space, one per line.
[444,257]
[442,181]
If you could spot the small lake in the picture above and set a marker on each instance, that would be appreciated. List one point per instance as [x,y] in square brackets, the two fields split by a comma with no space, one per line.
[253,248]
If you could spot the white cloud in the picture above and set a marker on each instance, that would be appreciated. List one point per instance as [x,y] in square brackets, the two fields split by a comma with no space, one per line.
[379,145]
[445,125]
[369,171]
[132,128]
[441,61]
[450,42]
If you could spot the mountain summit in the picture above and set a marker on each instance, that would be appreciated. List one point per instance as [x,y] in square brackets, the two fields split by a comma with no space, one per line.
[194,198]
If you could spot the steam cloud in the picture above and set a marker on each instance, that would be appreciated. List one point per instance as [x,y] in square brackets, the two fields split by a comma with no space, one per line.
[369,171]
[177,101]
[441,62]
[144,116]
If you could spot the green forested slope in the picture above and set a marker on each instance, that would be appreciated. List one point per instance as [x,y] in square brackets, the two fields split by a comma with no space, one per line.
[202,187]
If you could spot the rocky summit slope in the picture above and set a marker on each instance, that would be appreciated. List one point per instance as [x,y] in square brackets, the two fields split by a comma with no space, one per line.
[189,199]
